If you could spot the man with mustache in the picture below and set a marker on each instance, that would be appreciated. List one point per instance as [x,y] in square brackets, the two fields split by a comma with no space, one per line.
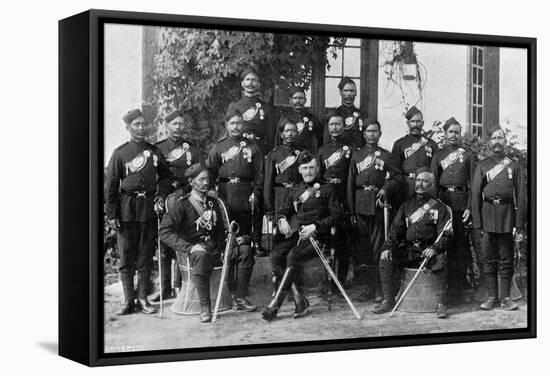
[499,210]
[371,175]
[237,166]
[453,168]
[413,151]
[310,130]
[180,153]
[334,159]
[194,227]
[310,210]
[133,200]
[258,119]
[412,237]
[353,119]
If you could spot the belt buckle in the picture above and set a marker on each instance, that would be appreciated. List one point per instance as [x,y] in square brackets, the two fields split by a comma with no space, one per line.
[234,180]
[451,188]
[412,175]
[416,244]
[496,201]
[287,185]
[141,194]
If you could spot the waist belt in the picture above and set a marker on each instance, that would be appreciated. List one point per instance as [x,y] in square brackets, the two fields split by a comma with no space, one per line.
[235,180]
[366,188]
[284,185]
[418,244]
[138,194]
[334,181]
[498,200]
[452,188]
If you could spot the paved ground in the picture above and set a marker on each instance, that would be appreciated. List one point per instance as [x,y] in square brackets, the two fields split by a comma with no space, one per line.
[138,332]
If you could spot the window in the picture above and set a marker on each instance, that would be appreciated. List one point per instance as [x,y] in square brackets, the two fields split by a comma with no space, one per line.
[346,63]
[477,91]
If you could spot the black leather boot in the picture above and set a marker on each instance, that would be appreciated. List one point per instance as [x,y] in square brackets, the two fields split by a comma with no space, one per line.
[240,303]
[128,307]
[490,303]
[441,312]
[202,284]
[384,307]
[144,306]
[127,280]
[270,312]
[300,301]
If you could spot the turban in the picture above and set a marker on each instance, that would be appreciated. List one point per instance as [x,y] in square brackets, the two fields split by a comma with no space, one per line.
[194,170]
[411,112]
[132,115]
[448,123]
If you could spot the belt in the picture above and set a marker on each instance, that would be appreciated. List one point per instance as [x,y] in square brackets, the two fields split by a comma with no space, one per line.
[138,194]
[235,180]
[334,181]
[366,188]
[498,200]
[453,188]
[418,244]
[284,185]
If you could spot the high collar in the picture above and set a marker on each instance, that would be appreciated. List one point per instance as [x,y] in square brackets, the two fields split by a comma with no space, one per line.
[140,144]
[423,198]
[197,195]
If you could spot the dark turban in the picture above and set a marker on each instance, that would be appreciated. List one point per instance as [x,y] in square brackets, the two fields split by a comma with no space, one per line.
[132,115]
[411,112]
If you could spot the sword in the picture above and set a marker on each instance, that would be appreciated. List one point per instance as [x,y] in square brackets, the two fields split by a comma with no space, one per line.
[160,269]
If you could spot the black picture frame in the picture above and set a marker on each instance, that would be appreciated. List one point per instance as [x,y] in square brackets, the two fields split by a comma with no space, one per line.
[81,187]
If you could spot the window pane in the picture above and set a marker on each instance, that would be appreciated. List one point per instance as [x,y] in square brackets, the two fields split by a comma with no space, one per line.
[474,75]
[335,64]
[480,115]
[332,94]
[352,62]
[480,76]
[480,57]
[474,115]
[353,42]
[480,95]
[474,55]
[474,97]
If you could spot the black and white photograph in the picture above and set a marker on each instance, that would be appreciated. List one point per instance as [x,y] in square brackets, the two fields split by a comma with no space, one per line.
[267,188]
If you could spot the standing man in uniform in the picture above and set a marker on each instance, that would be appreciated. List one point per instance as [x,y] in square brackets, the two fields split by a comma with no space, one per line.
[353,119]
[413,234]
[310,130]
[194,227]
[453,168]
[413,150]
[180,153]
[237,166]
[499,210]
[134,199]
[258,118]
[371,176]
[334,159]
[315,210]
[281,174]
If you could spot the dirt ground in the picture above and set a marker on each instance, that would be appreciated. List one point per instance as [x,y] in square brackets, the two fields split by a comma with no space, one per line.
[139,332]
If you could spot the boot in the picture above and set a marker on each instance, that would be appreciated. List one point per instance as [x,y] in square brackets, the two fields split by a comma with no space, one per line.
[508,304]
[144,306]
[202,284]
[128,307]
[441,312]
[300,301]
[240,303]
[270,312]
[274,284]
[378,296]
[384,307]
[127,280]
[489,304]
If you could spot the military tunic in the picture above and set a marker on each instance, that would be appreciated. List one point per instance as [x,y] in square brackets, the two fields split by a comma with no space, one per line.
[310,130]
[453,169]
[498,205]
[416,226]
[259,122]
[370,170]
[179,154]
[353,126]
[409,154]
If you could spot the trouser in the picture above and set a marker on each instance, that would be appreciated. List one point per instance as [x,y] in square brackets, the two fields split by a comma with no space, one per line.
[498,260]
[458,256]
[167,255]
[410,258]
[239,268]
[136,244]
[370,241]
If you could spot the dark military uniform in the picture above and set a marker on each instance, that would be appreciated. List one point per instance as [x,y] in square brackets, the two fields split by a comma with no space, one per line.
[237,166]
[409,154]
[453,169]
[334,158]
[498,205]
[310,130]
[131,191]
[306,204]
[281,174]
[416,226]
[353,126]
[259,121]
[194,227]
[370,170]
[179,154]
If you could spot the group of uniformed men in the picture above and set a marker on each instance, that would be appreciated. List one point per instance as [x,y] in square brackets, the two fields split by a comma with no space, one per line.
[322,182]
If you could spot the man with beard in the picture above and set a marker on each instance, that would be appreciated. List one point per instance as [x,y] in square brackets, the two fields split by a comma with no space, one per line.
[412,237]
[193,226]
[258,119]
[353,121]
[334,159]
[281,173]
[453,168]
[133,200]
[180,153]
[237,165]
[315,209]
[371,175]
[310,130]
[499,210]
[413,151]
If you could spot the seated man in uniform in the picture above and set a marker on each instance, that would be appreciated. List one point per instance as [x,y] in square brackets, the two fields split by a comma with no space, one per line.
[418,231]
[193,226]
[310,210]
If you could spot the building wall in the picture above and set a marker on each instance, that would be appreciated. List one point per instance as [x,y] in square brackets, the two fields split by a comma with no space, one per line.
[122,81]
